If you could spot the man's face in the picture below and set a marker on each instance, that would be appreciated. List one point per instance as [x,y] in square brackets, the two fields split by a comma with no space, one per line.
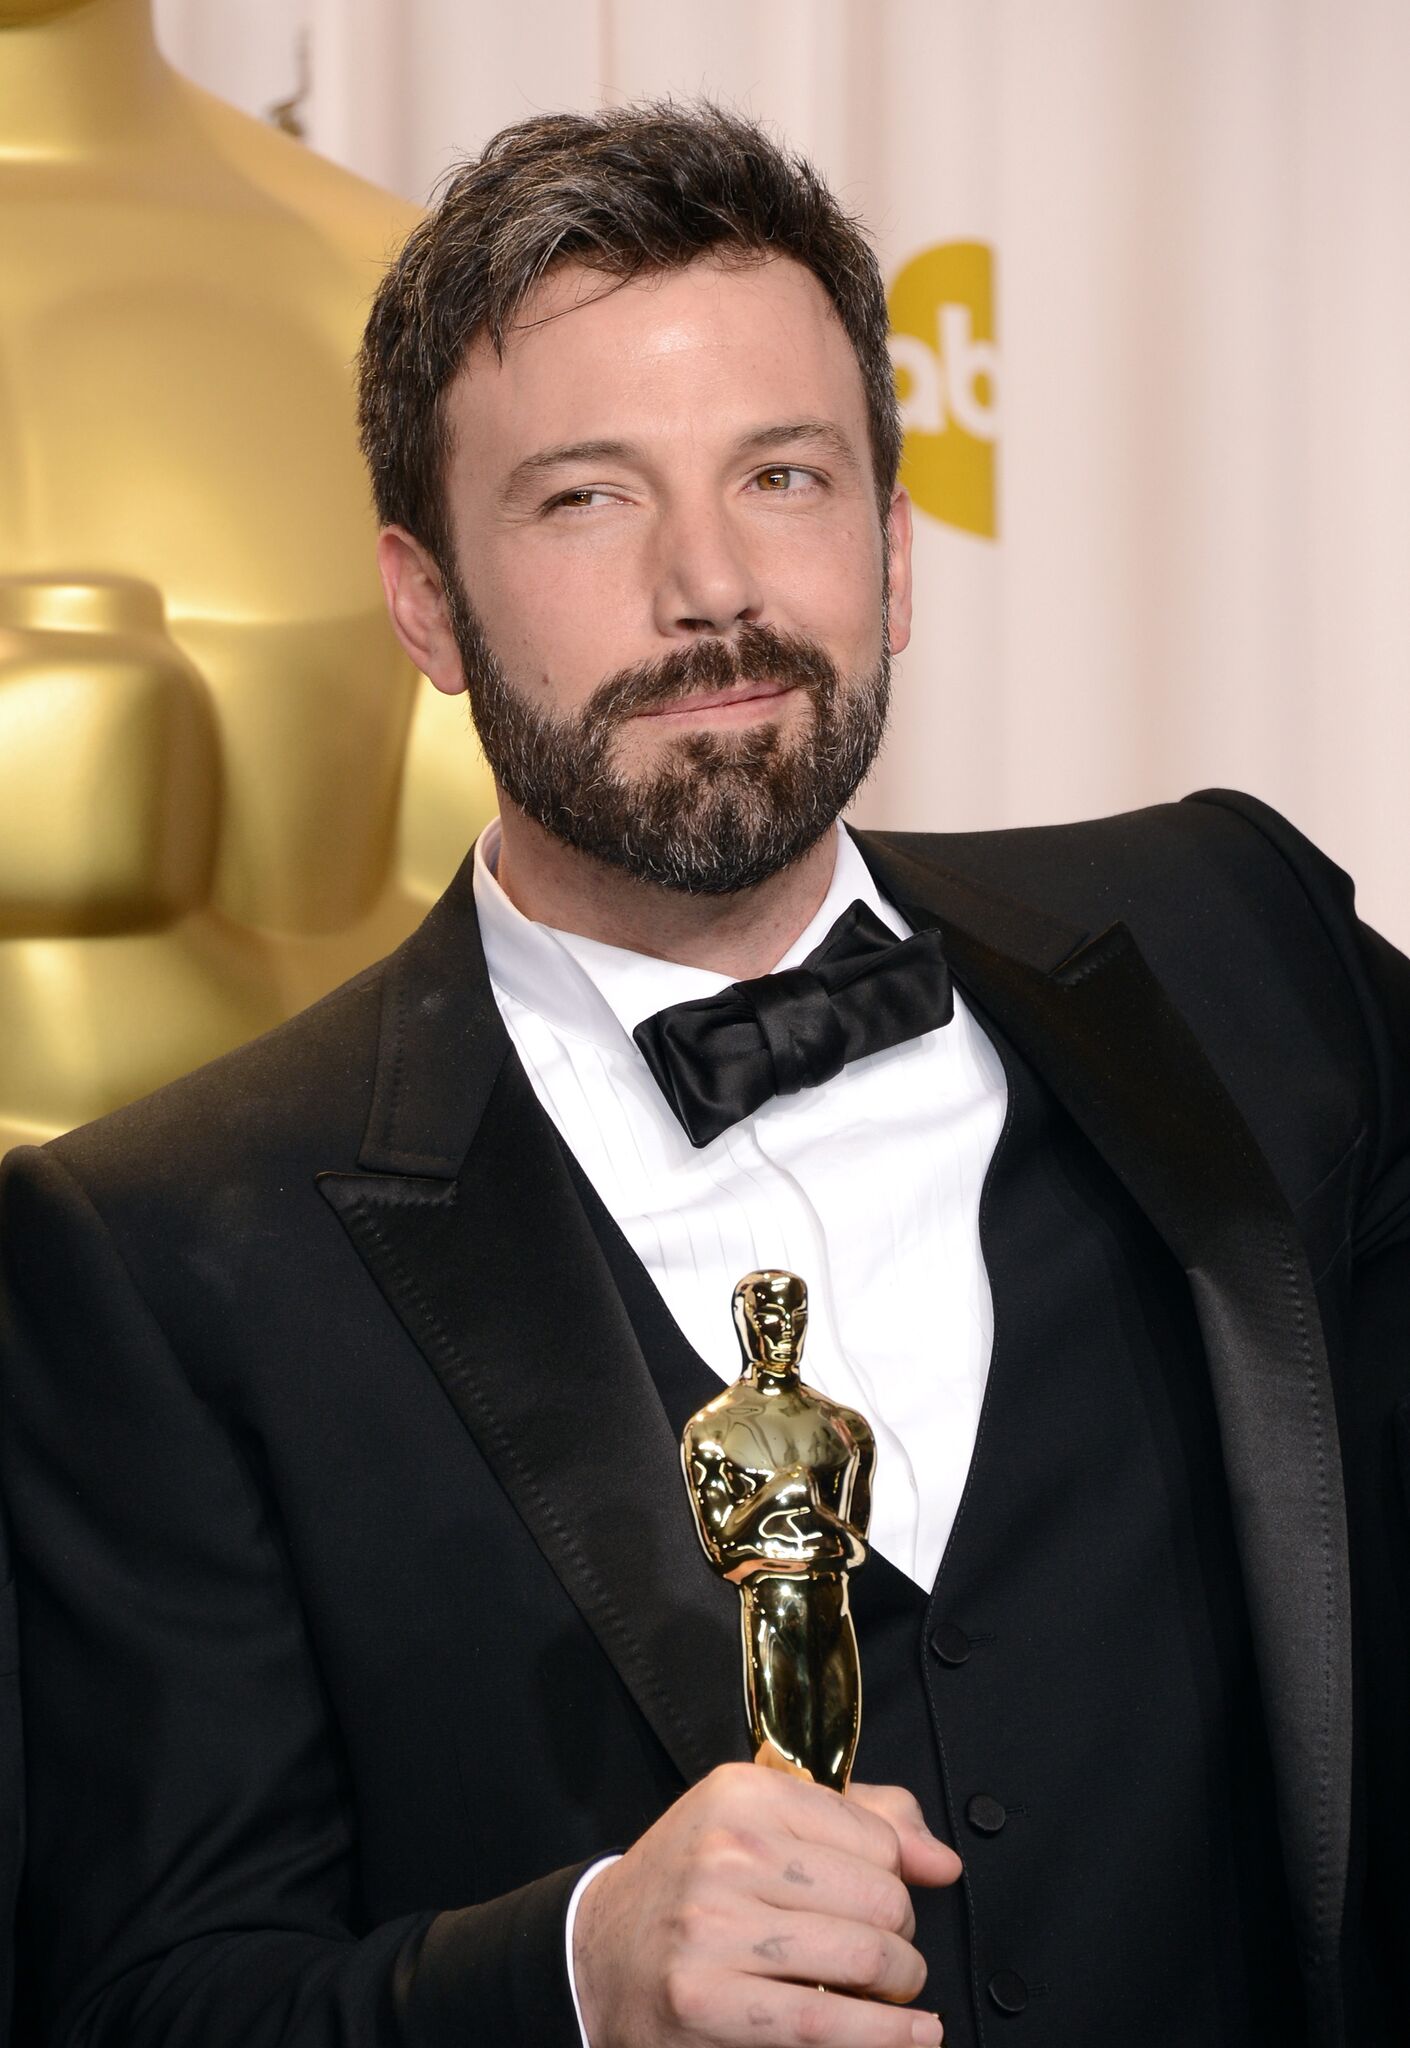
[672,601]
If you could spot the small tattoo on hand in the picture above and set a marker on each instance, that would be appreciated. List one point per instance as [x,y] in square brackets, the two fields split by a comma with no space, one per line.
[773,1948]
[794,1873]
[760,2016]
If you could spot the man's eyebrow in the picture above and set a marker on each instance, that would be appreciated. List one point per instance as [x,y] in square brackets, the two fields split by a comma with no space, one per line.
[535,466]
[789,433]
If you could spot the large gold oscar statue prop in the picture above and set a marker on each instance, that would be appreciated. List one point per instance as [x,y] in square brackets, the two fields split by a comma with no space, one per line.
[780,1480]
[204,719]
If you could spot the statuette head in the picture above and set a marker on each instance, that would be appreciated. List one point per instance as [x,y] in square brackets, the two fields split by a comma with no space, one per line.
[771,1316]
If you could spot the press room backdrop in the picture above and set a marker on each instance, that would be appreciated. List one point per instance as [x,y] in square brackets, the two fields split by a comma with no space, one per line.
[1149,264]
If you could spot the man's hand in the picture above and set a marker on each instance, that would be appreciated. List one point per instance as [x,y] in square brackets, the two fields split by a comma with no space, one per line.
[755,1889]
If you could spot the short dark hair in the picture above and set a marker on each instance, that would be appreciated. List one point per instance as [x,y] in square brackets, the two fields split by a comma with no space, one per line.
[628,191]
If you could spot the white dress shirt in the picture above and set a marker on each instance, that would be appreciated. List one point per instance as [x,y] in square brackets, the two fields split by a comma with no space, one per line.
[868,1186]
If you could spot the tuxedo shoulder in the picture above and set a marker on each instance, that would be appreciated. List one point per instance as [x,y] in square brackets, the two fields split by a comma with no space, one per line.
[1249,928]
[1251,934]
[1214,889]
[1218,855]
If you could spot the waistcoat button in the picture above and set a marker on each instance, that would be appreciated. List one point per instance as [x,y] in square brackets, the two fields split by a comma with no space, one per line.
[985,1814]
[1008,1991]
[950,1644]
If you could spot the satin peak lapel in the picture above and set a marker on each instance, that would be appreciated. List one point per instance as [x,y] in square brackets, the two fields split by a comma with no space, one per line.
[1098,1026]
[493,1268]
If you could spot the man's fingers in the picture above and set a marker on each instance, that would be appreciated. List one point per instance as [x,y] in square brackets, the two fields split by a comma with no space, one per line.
[844,1954]
[805,1878]
[756,1801]
[892,1802]
[752,2009]
[799,2016]
[924,1858]
[882,1824]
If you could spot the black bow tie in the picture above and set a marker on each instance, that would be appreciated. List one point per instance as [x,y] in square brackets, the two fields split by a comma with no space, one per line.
[861,990]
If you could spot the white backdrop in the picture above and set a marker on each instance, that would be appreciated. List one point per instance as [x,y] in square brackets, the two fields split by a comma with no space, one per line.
[1196,408]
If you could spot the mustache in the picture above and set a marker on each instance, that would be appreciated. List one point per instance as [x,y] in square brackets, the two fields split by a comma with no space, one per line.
[755,654]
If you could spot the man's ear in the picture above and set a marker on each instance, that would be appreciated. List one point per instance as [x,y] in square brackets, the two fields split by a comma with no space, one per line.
[416,603]
[898,557]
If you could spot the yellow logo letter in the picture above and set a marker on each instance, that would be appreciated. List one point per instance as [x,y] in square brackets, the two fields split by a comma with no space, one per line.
[947,379]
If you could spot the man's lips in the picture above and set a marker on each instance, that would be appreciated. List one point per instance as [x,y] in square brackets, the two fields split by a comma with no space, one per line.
[737,701]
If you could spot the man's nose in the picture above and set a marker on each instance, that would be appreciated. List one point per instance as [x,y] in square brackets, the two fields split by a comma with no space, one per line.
[705,581]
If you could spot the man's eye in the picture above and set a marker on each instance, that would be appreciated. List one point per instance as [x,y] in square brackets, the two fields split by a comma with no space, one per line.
[579,499]
[781,479]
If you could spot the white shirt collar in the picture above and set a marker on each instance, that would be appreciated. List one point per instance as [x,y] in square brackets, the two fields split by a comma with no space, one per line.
[603,992]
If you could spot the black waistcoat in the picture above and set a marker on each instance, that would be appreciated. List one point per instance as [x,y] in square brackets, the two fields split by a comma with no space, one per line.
[1075,1704]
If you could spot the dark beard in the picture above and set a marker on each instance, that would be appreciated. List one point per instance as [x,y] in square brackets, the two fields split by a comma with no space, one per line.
[721,811]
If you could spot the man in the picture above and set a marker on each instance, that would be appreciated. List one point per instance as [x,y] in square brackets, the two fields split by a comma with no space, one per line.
[364,1618]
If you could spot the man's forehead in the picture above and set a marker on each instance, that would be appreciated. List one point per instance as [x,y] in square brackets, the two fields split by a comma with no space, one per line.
[572,289]
[582,341]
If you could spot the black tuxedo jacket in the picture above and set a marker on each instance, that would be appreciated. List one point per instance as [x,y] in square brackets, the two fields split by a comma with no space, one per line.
[360,1605]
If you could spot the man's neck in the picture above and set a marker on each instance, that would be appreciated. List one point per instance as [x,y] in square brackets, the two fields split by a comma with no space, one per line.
[742,935]
[77,83]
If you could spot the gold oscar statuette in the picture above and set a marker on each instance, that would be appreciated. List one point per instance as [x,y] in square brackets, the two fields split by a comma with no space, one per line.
[223,789]
[780,1480]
